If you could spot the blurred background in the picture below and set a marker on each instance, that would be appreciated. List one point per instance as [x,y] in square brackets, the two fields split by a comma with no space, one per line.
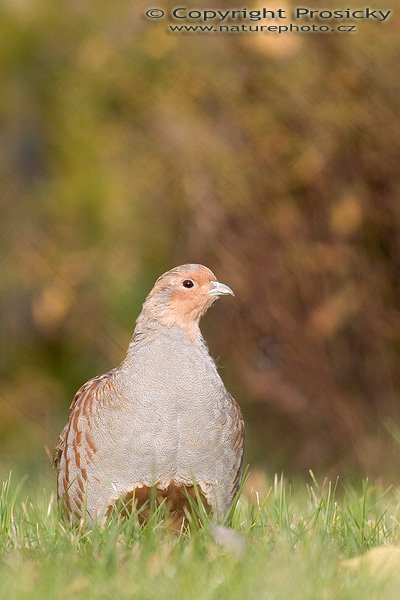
[275,161]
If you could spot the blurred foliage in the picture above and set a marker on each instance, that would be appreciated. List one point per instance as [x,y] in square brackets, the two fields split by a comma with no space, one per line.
[126,150]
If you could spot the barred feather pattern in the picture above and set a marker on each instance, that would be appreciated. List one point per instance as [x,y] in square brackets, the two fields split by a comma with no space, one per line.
[76,447]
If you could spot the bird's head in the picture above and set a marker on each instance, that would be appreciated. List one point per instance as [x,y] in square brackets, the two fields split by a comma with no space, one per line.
[182,295]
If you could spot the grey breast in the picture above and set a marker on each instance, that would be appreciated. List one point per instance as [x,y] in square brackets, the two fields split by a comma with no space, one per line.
[174,423]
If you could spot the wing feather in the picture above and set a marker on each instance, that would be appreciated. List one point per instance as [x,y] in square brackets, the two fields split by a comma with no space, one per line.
[75,448]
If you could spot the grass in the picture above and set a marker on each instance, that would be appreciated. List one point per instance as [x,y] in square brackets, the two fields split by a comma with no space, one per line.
[297,538]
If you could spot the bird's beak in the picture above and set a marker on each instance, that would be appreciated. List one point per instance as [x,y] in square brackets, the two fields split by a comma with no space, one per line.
[220,289]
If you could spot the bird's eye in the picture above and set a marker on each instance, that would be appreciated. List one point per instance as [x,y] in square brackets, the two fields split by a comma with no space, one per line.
[188,283]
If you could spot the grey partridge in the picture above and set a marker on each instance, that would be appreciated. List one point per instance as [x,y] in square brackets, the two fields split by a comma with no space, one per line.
[162,420]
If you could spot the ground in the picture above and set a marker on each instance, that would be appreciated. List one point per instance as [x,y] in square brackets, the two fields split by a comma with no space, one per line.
[294,540]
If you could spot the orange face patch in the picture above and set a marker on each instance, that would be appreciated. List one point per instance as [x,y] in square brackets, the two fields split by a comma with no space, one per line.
[183,293]
[180,297]
[191,303]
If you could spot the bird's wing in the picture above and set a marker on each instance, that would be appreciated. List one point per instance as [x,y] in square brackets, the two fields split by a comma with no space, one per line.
[86,400]
[238,440]
[59,448]
[232,426]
